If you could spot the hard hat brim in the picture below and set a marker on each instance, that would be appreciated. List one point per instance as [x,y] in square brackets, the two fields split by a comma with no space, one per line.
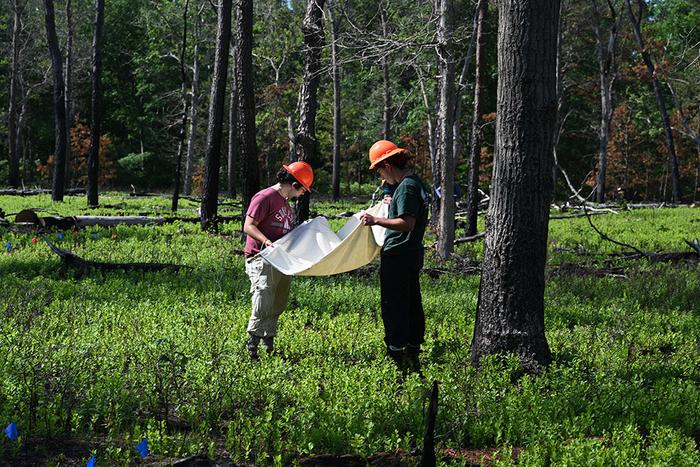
[308,187]
[393,152]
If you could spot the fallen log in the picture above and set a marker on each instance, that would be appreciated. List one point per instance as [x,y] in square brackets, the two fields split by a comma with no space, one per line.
[73,261]
[41,191]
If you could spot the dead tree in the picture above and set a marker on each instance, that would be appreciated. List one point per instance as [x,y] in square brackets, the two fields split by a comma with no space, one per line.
[12,126]
[636,20]
[335,72]
[307,144]
[209,207]
[477,120]
[185,110]
[194,108]
[386,83]
[250,172]
[96,105]
[446,106]
[233,151]
[59,103]
[70,33]
[606,49]
[510,309]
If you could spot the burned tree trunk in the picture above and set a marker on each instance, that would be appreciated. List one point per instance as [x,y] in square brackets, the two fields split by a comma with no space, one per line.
[336,101]
[307,144]
[636,20]
[477,120]
[96,106]
[446,106]
[70,33]
[233,156]
[194,113]
[209,206]
[250,172]
[59,103]
[510,310]
[606,64]
[12,126]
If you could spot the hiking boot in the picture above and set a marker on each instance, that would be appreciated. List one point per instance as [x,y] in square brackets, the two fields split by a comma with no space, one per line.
[252,347]
[413,359]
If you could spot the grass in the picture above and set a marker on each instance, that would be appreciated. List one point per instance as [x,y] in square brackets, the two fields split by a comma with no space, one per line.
[95,363]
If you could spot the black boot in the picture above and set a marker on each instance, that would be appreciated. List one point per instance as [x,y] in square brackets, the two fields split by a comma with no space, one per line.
[398,355]
[413,358]
[252,347]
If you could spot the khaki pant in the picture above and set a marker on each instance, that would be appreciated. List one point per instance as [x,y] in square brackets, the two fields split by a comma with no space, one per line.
[270,290]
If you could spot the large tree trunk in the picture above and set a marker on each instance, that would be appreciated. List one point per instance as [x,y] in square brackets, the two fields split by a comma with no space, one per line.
[606,65]
[307,144]
[434,161]
[510,310]
[636,20]
[446,107]
[250,172]
[69,85]
[194,112]
[185,110]
[12,126]
[217,97]
[336,101]
[59,103]
[386,89]
[477,120]
[233,143]
[96,105]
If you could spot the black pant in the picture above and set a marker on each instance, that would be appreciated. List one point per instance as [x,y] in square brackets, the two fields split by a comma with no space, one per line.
[402,307]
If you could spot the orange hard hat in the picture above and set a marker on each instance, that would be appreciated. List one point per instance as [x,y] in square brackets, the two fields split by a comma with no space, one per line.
[381,150]
[302,171]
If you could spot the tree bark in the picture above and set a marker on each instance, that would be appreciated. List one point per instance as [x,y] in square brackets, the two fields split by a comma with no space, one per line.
[510,309]
[194,112]
[307,144]
[445,118]
[185,110]
[69,85]
[337,136]
[250,172]
[477,120]
[386,83]
[59,103]
[606,50]
[209,207]
[12,124]
[96,105]
[233,142]
[660,99]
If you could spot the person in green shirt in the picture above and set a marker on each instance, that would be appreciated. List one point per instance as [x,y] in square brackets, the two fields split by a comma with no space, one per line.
[402,254]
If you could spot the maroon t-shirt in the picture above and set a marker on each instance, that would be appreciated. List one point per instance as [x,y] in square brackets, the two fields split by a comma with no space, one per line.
[274,216]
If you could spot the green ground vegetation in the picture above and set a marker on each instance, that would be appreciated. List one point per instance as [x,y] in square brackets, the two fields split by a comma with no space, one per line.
[102,360]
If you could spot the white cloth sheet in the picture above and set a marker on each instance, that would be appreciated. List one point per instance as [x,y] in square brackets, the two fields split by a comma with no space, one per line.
[314,249]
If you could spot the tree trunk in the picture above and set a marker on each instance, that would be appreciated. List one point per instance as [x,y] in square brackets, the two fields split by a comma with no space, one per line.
[336,101]
[606,65]
[307,144]
[212,153]
[69,85]
[96,105]
[250,172]
[185,110]
[477,121]
[646,57]
[12,126]
[446,107]
[386,90]
[194,112]
[59,103]
[233,142]
[510,309]
[434,162]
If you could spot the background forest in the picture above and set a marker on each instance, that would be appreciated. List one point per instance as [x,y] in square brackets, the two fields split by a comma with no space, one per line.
[386,54]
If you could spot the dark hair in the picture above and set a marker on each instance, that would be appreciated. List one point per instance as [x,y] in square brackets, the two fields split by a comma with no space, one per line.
[285,177]
[400,161]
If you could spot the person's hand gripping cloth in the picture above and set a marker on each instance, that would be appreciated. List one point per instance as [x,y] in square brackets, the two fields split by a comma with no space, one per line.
[313,249]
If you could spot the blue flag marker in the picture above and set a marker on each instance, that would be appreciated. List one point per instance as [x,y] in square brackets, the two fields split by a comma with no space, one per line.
[11,431]
[60,235]
[91,462]
[94,236]
[8,245]
[142,448]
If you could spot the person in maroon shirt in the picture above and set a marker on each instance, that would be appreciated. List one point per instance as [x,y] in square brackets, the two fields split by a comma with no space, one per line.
[269,218]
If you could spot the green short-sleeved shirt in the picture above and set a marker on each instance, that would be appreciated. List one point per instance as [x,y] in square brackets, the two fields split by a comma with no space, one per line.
[410,198]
